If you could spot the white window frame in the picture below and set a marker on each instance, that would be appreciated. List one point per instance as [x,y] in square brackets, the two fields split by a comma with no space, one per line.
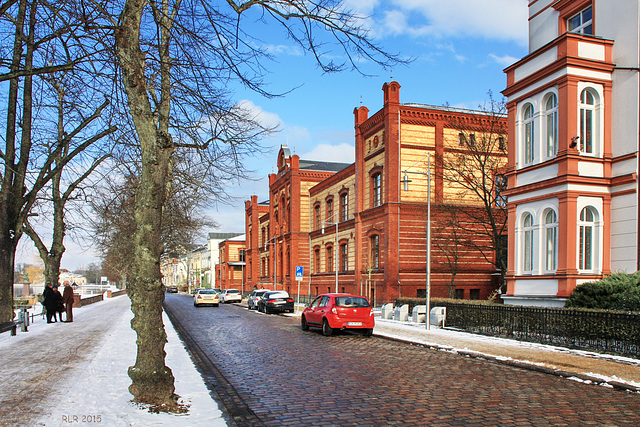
[580,25]
[597,129]
[586,228]
[550,240]
[528,134]
[551,124]
[528,240]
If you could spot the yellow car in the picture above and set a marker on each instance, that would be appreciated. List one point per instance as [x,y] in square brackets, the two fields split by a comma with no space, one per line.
[205,296]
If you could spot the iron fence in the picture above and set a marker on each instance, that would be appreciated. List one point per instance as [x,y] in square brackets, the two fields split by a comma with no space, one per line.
[598,330]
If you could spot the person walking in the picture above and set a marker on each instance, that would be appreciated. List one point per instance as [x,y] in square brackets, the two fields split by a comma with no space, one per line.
[49,302]
[67,299]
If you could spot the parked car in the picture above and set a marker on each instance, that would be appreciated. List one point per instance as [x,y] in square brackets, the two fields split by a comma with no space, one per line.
[333,312]
[205,296]
[230,295]
[254,296]
[172,289]
[275,301]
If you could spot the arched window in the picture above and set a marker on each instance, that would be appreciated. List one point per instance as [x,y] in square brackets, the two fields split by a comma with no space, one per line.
[551,240]
[330,259]
[344,257]
[344,206]
[375,251]
[551,114]
[587,228]
[316,261]
[529,134]
[376,186]
[527,250]
[587,122]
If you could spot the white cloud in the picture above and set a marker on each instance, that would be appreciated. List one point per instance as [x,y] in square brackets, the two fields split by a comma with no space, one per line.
[490,19]
[361,7]
[504,60]
[265,118]
[281,49]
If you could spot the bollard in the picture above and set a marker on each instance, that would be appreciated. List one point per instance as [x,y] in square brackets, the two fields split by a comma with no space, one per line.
[24,320]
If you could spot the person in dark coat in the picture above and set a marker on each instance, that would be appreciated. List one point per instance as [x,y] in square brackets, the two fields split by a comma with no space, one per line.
[59,304]
[67,298]
[50,304]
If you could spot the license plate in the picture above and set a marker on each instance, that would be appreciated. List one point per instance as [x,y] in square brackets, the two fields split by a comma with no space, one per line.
[354,323]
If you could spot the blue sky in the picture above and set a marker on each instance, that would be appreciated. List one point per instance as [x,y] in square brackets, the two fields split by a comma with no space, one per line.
[460,48]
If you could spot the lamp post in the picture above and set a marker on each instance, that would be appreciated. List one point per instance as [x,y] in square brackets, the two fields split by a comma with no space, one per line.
[406,181]
[335,246]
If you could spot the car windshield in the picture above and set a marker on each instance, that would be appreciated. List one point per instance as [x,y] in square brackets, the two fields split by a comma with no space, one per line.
[233,291]
[351,302]
[208,291]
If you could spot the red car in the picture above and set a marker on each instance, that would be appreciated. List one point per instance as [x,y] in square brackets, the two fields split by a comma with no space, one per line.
[337,312]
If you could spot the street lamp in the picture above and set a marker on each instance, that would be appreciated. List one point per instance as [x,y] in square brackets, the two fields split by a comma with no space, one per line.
[405,180]
[335,246]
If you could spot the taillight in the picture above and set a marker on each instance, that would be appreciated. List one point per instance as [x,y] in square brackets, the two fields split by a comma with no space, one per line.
[334,311]
[199,297]
[289,299]
[271,301]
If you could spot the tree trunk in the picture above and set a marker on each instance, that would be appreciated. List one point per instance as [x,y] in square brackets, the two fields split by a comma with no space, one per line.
[152,381]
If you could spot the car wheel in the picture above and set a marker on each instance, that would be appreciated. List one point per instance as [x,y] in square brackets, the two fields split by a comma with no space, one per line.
[327,331]
[266,310]
[195,305]
[215,305]
[368,332]
[304,325]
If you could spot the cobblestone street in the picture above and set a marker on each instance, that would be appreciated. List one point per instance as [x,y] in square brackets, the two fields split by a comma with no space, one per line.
[267,371]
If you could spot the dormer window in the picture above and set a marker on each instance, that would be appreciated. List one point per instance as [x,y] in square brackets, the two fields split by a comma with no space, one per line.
[581,22]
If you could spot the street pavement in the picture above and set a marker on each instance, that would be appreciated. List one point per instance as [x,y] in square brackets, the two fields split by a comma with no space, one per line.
[33,369]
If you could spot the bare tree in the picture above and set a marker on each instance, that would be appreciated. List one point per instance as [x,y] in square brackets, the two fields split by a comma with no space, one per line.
[476,172]
[47,38]
[176,58]
[65,185]
[113,222]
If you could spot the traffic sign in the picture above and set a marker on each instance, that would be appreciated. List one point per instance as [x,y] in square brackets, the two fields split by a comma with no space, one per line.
[299,272]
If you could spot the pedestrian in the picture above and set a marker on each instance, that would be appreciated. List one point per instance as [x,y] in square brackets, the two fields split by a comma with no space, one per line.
[49,302]
[59,304]
[67,298]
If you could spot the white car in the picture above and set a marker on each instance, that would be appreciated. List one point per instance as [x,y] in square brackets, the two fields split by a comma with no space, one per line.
[230,295]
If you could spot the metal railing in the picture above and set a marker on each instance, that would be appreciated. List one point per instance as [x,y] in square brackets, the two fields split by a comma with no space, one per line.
[599,330]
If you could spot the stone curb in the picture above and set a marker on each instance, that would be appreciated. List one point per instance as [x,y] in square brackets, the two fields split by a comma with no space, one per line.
[586,378]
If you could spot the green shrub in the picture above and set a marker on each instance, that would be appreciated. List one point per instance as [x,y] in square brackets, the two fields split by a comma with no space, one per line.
[620,291]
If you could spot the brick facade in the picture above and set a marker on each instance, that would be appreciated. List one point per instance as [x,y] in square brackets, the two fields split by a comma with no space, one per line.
[380,245]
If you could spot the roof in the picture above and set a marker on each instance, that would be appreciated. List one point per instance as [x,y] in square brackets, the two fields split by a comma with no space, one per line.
[322,166]
[223,236]
[453,109]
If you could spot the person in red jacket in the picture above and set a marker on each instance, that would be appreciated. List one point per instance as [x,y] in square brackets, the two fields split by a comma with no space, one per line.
[67,298]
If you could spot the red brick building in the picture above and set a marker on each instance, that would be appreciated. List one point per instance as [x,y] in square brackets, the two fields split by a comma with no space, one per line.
[379,247]
[231,263]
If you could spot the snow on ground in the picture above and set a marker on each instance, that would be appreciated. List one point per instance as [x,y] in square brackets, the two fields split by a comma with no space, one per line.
[97,391]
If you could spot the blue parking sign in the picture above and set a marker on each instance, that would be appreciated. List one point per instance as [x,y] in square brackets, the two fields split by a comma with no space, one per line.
[299,272]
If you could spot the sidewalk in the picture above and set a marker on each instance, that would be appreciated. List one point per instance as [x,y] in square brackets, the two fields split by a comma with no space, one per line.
[66,374]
